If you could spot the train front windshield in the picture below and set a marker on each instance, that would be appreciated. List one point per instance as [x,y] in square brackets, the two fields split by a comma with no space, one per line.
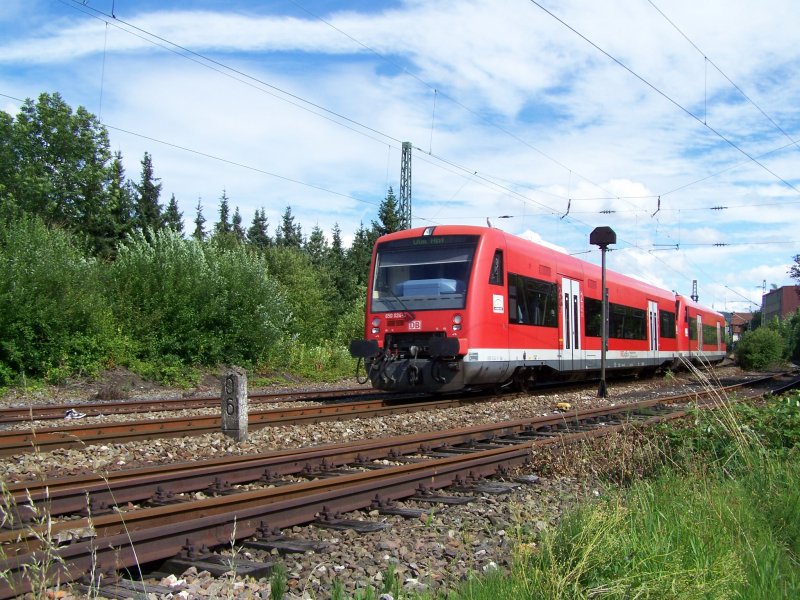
[425,273]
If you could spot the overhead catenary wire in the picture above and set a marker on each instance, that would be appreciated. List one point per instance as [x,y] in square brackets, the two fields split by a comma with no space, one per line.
[242,165]
[666,96]
[241,76]
[450,98]
[543,206]
[721,72]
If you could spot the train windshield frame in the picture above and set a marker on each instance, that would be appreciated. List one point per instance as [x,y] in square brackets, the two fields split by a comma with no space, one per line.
[424,273]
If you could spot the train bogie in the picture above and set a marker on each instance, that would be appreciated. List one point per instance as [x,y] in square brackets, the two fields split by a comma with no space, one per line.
[456,307]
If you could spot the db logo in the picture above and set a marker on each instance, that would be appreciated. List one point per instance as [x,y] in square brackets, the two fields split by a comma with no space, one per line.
[415,324]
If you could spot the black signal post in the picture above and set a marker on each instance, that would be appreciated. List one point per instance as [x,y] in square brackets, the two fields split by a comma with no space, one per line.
[603,237]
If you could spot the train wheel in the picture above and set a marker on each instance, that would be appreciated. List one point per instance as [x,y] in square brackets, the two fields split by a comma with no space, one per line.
[523,381]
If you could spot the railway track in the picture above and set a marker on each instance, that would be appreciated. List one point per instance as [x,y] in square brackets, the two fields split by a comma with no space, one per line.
[332,479]
[22,439]
[112,407]
[44,439]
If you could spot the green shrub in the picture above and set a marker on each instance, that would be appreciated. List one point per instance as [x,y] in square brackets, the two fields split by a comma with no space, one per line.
[54,318]
[322,361]
[760,349]
[307,293]
[200,303]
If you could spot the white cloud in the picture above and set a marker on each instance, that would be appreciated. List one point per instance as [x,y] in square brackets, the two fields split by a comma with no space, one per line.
[528,116]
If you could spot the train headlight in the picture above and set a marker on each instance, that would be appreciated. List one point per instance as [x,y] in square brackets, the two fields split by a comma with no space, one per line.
[376,322]
[457,322]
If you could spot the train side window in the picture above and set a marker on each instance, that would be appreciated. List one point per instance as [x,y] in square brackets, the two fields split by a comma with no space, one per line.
[692,328]
[624,322]
[532,301]
[593,320]
[667,324]
[496,274]
[710,334]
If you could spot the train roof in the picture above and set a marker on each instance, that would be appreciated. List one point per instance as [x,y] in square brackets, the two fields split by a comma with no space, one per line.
[692,304]
[550,254]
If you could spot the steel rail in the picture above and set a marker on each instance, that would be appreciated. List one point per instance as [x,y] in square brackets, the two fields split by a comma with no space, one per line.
[47,438]
[98,492]
[117,541]
[92,409]
[120,541]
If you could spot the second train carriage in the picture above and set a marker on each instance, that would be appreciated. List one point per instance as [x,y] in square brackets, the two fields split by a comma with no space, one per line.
[451,307]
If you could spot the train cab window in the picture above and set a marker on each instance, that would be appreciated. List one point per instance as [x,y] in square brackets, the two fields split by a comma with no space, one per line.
[532,301]
[496,273]
[667,319]
[428,273]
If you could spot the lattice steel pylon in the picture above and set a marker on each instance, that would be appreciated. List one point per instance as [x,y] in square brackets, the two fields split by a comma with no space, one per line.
[405,186]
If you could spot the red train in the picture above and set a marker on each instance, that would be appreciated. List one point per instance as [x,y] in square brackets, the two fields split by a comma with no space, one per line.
[453,307]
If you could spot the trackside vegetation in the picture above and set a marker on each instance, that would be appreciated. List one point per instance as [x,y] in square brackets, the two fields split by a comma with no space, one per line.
[715,516]
[771,344]
[97,272]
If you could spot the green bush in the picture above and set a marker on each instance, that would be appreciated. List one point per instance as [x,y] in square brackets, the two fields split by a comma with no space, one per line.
[54,318]
[321,361]
[307,292]
[198,303]
[793,337]
[720,521]
[760,349]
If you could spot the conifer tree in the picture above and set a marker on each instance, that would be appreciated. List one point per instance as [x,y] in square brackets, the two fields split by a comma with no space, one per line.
[289,234]
[317,246]
[257,233]
[223,225]
[359,255]
[173,218]
[121,204]
[149,215]
[236,225]
[199,232]
[389,219]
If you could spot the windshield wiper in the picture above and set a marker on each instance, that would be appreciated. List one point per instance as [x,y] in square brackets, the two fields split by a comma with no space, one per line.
[401,303]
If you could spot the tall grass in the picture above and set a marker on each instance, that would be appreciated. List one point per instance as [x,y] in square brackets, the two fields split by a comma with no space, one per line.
[720,520]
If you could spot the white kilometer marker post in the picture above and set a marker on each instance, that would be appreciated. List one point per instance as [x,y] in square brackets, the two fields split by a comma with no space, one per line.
[234,404]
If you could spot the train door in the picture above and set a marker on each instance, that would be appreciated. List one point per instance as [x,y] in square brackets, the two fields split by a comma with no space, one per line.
[699,334]
[719,337]
[571,347]
[652,317]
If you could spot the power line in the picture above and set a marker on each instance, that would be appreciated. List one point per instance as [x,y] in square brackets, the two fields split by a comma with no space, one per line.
[243,77]
[705,56]
[238,75]
[242,165]
[665,96]
[223,69]
[437,92]
[338,115]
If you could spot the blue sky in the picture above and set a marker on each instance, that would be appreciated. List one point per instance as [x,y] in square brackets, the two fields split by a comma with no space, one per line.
[562,115]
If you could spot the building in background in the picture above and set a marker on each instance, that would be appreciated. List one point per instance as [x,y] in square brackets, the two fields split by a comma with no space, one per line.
[780,303]
[738,323]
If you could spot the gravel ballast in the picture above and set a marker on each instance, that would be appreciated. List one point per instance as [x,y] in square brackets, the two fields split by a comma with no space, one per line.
[433,552]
